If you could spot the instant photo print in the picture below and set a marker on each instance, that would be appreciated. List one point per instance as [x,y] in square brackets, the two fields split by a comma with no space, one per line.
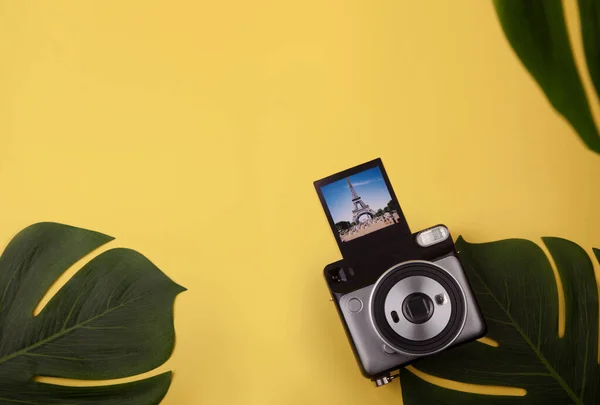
[401,296]
[362,208]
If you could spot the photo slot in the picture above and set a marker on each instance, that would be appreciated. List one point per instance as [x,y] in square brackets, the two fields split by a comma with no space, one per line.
[360,204]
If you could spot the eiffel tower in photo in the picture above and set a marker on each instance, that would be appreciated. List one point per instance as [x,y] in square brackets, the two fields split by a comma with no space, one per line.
[360,208]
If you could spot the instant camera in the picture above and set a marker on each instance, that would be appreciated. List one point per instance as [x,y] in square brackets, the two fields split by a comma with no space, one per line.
[401,296]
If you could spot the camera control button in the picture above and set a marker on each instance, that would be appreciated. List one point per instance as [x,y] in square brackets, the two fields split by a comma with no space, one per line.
[355,305]
[388,349]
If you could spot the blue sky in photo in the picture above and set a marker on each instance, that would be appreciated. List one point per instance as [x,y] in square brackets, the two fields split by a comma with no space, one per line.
[369,185]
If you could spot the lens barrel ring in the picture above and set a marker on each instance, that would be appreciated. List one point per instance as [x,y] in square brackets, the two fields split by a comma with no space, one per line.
[456,300]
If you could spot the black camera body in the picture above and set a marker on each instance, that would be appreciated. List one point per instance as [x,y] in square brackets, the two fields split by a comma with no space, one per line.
[400,296]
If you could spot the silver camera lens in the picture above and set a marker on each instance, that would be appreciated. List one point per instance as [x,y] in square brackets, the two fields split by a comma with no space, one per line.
[418,308]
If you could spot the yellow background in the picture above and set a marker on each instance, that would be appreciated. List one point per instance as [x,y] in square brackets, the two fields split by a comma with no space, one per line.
[192,131]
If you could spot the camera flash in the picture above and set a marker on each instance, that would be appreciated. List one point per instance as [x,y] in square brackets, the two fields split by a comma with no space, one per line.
[432,236]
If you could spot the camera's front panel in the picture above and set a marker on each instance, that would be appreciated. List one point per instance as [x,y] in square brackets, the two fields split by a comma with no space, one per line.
[373,354]
[414,310]
[474,327]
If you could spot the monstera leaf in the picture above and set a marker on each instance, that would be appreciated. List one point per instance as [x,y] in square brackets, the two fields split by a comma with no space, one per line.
[113,319]
[537,32]
[516,288]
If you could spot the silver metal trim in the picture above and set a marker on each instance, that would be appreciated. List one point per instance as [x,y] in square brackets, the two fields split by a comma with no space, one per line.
[405,328]
[376,285]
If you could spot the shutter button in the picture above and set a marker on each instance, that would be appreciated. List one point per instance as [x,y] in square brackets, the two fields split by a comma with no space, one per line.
[355,305]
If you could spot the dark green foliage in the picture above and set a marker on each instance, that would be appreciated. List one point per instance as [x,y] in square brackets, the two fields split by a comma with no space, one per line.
[537,32]
[516,289]
[113,319]
[589,14]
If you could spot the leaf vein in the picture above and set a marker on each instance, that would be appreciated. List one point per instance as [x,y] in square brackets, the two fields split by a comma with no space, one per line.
[540,356]
[62,332]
